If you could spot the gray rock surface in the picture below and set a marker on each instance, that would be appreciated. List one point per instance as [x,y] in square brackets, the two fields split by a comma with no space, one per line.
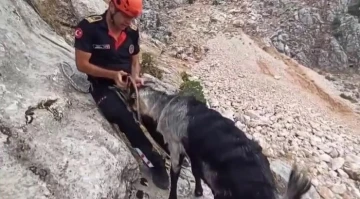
[67,150]
[154,18]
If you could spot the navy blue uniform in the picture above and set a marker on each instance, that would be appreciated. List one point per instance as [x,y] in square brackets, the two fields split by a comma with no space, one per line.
[92,35]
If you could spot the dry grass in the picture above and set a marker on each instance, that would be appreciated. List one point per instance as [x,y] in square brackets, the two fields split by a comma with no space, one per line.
[57,15]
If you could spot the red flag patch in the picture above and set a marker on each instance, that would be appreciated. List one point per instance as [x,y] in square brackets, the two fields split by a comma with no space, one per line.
[78,33]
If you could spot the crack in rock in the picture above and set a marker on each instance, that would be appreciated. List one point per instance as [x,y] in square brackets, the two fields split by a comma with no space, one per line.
[49,105]
[6,131]
[42,173]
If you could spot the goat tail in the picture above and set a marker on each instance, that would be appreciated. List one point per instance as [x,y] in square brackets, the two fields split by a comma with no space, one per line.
[298,184]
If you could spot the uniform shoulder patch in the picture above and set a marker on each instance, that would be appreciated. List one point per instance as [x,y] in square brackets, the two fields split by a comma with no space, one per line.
[95,18]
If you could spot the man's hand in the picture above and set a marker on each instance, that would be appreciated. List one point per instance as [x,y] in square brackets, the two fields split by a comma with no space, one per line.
[138,80]
[120,79]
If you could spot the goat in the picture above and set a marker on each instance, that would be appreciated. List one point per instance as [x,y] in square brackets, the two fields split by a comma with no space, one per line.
[220,154]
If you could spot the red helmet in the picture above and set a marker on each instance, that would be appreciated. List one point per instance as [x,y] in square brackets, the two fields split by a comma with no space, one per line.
[132,8]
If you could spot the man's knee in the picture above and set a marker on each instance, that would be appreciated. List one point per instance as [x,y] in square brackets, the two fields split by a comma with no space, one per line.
[114,109]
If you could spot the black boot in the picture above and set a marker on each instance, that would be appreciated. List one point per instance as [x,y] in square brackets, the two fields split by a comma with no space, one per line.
[160,176]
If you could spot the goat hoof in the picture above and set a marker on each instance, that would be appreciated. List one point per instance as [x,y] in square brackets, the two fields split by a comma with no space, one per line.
[198,193]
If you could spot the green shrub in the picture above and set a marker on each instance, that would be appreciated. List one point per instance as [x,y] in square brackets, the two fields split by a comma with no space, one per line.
[191,87]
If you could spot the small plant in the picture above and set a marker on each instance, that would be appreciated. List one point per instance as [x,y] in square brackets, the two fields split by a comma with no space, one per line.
[191,87]
[184,76]
[148,65]
[216,2]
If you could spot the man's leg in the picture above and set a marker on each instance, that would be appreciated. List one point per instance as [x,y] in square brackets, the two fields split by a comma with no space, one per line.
[151,127]
[115,111]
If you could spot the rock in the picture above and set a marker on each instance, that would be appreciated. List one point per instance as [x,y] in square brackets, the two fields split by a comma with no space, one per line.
[214,103]
[337,163]
[252,114]
[217,17]
[228,114]
[325,157]
[283,170]
[353,189]
[348,97]
[315,182]
[160,85]
[325,192]
[339,188]
[302,134]
[352,167]
[334,153]
[277,77]
[342,173]
[238,23]
[346,196]
[83,8]
[68,150]
[240,125]
[333,173]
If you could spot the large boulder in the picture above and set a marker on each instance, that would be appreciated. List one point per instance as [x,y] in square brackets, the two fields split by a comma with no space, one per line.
[53,141]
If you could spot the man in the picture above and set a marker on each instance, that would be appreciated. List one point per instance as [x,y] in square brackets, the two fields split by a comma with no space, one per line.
[107,49]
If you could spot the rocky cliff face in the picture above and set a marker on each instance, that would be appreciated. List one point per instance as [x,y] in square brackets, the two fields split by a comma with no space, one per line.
[53,141]
[319,34]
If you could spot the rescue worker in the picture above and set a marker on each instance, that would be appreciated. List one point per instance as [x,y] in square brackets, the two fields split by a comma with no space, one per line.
[106,49]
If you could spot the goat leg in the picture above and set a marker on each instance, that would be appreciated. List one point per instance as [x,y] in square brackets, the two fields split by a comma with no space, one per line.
[174,174]
[196,170]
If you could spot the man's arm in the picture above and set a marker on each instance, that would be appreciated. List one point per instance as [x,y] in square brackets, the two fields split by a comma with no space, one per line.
[135,58]
[83,50]
[83,65]
[135,66]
